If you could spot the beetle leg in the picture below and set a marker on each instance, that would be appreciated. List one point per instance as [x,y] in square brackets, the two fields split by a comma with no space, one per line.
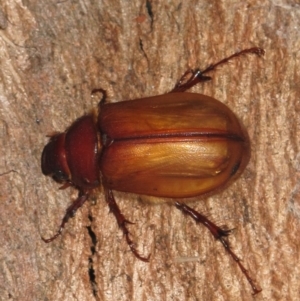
[198,77]
[70,212]
[219,234]
[195,77]
[122,221]
[104,95]
[254,50]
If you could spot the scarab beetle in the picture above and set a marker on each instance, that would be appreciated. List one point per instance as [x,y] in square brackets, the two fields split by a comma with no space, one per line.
[176,145]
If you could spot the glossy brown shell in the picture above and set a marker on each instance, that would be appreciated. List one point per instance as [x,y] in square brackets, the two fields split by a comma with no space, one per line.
[173,145]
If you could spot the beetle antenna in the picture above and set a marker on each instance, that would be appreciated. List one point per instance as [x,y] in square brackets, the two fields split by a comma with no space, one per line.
[70,212]
[219,234]
[122,221]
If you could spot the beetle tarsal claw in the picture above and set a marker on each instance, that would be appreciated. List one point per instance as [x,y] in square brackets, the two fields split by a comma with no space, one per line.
[133,248]
[47,240]
[126,221]
[223,232]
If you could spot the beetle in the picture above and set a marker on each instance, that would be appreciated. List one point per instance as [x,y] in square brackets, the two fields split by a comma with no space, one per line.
[176,145]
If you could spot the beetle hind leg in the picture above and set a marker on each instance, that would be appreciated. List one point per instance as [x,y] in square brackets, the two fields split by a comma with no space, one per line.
[196,76]
[122,221]
[219,234]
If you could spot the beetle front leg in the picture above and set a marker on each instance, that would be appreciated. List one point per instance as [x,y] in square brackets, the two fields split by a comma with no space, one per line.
[122,221]
[219,234]
[70,212]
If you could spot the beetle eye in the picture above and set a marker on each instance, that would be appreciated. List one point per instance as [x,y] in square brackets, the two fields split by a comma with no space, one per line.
[235,169]
[59,176]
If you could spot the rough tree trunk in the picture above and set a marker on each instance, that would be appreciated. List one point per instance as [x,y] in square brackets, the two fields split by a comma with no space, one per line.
[53,54]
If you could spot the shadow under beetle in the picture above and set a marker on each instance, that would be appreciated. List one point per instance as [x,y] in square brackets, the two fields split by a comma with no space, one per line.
[176,145]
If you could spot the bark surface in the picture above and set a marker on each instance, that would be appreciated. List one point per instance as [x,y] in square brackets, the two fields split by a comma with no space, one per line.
[53,54]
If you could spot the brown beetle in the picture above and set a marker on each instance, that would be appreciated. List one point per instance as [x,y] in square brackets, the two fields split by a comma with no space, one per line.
[176,145]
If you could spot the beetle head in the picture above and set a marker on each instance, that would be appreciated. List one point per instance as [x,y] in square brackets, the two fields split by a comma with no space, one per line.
[54,161]
[72,157]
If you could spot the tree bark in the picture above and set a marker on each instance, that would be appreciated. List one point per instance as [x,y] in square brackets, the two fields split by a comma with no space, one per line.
[53,54]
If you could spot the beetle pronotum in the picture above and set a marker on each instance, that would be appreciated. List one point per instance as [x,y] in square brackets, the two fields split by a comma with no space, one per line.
[176,145]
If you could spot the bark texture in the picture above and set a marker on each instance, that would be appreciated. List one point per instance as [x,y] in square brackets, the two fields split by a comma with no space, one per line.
[53,54]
